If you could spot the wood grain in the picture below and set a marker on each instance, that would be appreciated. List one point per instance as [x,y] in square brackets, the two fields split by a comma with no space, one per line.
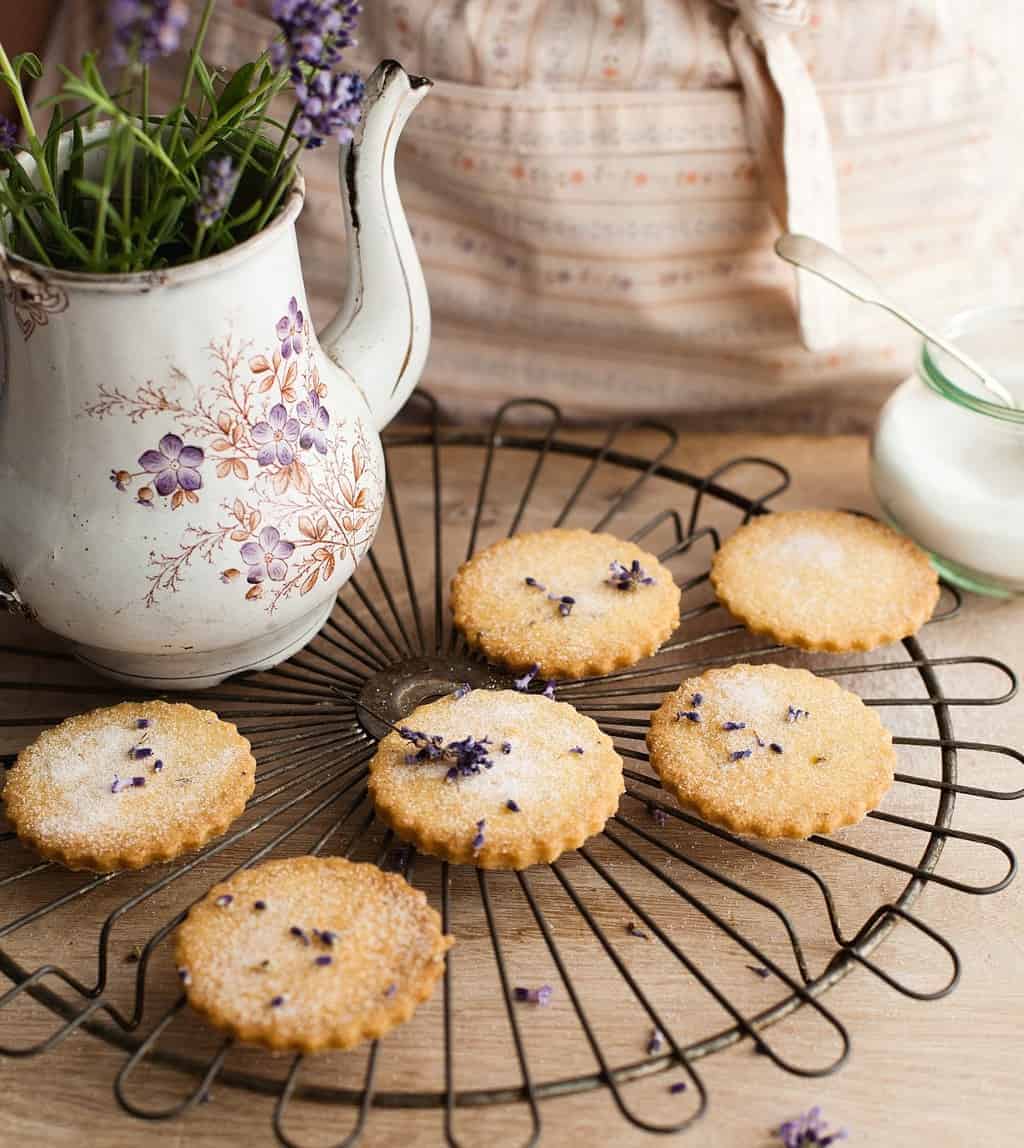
[941,1074]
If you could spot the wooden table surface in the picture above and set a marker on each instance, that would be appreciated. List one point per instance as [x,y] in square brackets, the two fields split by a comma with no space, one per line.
[943,1073]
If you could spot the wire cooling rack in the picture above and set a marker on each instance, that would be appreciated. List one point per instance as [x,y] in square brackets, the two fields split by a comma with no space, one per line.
[662,922]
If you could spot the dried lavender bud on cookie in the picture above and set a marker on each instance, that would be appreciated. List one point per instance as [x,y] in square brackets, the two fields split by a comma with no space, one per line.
[130,785]
[778,752]
[310,953]
[569,602]
[501,779]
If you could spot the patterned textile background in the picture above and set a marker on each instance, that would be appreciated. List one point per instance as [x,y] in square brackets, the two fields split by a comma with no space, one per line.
[592,221]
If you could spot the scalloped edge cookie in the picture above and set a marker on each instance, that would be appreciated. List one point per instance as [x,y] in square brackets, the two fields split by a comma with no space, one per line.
[822,602]
[521,626]
[562,797]
[770,751]
[146,837]
[238,953]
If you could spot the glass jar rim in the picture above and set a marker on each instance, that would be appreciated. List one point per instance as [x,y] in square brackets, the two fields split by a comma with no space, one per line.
[963,322]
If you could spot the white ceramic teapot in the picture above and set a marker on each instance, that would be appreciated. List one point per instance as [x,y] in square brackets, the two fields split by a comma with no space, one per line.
[188,471]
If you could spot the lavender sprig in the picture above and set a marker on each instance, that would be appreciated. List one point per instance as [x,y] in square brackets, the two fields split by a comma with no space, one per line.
[628,577]
[145,30]
[215,190]
[808,1131]
[8,134]
[688,715]
[465,757]
[315,32]
[330,106]
[655,1042]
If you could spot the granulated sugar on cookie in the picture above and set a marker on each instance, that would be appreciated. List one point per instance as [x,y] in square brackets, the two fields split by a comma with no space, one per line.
[768,751]
[571,602]
[497,779]
[130,785]
[310,953]
[825,580]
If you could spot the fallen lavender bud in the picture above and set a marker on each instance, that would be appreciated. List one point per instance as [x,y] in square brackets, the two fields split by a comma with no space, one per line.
[539,996]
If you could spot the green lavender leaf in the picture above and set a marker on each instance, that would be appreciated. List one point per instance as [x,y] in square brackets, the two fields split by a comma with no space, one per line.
[236,89]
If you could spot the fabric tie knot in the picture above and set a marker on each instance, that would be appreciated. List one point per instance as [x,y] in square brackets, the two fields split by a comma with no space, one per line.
[763,19]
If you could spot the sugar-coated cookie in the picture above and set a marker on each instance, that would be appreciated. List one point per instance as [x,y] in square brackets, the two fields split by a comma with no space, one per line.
[126,786]
[497,779]
[310,953]
[825,580]
[571,602]
[768,751]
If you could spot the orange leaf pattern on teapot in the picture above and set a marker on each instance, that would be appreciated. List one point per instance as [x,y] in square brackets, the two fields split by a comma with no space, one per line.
[314,493]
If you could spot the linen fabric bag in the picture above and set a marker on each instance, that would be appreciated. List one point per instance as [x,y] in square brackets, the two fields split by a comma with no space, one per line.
[595,187]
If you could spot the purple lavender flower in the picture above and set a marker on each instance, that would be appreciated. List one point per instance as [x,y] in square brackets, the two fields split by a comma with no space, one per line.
[120,784]
[330,106]
[215,190]
[549,689]
[466,757]
[266,558]
[523,683]
[808,1131]
[314,420]
[275,436]
[655,1042]
[8,134]
[174,465]
[290,328]
[565,603]
[315,31]
[146,29]
[628,577]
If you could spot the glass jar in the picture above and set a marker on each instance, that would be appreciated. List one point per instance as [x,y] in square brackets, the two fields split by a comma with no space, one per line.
[947,464]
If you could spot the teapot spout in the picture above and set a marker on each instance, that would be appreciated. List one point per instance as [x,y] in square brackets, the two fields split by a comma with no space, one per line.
[381,334]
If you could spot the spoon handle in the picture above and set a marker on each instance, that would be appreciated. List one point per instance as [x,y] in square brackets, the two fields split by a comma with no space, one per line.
[820,259]
[988,381]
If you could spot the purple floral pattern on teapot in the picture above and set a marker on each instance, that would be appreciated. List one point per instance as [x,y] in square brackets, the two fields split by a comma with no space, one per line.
[313,493]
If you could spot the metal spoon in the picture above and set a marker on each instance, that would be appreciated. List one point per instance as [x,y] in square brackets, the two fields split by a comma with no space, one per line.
[819,258]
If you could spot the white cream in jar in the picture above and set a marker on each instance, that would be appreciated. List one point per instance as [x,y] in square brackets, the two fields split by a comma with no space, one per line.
[947,464]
